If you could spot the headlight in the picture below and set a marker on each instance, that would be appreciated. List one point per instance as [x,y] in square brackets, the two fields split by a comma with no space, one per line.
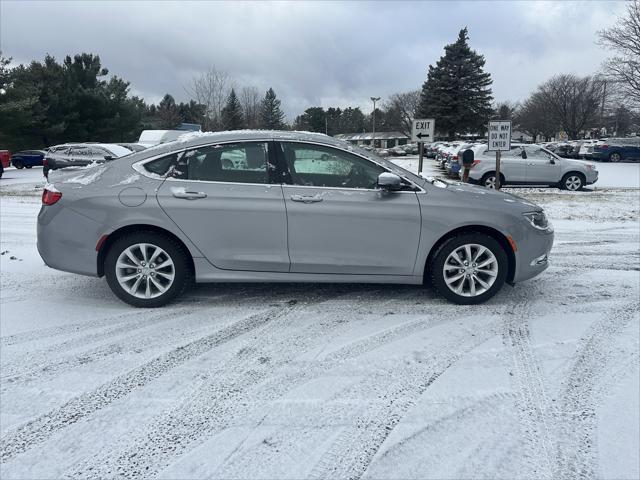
[539,220]
[590,166]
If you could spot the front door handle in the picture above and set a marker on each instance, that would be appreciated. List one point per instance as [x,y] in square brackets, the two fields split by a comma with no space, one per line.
[190,195]
[306,199]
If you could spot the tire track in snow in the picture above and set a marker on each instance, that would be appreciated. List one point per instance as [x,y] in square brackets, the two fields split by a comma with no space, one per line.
[40,359]
[588,379]
[38,430]
[217,402]
[189,328]
[537,416]
[353,450]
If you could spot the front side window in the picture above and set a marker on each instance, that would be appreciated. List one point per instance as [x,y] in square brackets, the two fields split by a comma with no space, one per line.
[236,163]
[319,166]
[535,152]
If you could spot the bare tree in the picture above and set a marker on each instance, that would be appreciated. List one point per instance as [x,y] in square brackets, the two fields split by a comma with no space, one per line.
[504,110]
[535,118]
[624,39]
[211,89]
[573,102]
[402,108]
[251,104]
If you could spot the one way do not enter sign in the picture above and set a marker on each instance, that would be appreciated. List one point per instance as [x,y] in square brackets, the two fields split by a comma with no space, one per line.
[422,130]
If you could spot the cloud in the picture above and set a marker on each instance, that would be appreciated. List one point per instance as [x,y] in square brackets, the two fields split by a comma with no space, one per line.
[315,53]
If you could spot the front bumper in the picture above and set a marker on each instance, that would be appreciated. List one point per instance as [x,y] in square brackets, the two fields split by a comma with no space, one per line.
[532,257]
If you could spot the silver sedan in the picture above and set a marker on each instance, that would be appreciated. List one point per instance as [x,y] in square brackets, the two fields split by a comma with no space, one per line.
[282,207]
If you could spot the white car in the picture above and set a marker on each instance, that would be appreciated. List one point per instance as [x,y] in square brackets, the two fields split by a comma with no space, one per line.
[531,164]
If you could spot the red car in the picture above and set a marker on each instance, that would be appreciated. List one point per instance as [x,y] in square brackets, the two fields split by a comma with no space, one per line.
[5,160]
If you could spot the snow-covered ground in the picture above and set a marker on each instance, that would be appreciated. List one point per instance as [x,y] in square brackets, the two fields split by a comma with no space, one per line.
[329,381]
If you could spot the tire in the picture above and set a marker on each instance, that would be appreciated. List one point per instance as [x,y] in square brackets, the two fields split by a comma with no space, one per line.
[28,166]
[488,180]
[615,157]
[173,278]
[572,181]
[492,275]
[19,164]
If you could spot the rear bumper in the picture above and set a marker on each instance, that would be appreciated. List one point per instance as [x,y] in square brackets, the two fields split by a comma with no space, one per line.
[67,240]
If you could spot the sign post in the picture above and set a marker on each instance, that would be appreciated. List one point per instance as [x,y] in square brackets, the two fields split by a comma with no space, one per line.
[499,141]
[422,131]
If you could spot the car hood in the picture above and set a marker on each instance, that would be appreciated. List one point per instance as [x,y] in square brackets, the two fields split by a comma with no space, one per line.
[474,194]
[575,163]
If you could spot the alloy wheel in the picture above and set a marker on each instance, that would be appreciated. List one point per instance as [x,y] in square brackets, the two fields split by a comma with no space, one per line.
[470,270]
[615,157]
[573,182]
[145,270]
[490,182]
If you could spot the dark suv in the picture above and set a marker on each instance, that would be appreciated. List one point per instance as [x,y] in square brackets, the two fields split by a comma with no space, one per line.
[617,150]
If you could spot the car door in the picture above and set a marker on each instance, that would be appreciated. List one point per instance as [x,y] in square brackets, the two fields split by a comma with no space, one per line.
[339,221]
[222,198]
[512,166]
[542,167]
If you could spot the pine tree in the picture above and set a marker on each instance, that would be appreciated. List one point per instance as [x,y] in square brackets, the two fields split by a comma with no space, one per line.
[457,93]
[271,116]
[232,117]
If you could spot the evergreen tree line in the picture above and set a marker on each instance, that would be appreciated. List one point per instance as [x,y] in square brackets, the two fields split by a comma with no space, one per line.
[48,103]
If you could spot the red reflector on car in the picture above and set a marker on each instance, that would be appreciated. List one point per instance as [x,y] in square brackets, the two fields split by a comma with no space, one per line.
[101,242]
[50,197]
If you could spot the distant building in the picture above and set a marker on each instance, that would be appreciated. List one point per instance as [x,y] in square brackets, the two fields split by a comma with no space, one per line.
[383,139]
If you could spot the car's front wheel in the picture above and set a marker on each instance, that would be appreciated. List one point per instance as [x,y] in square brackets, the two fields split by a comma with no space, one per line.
[615,157]
[468,269]
[147,269]
[572,182]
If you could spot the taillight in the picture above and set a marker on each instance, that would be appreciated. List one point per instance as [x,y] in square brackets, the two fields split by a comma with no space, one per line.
[475,162]
[603,146]
[44,162]
[50,196]
[455,157]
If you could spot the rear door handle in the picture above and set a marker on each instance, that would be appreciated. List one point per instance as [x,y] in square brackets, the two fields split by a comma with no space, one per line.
[190,195]
[306,199]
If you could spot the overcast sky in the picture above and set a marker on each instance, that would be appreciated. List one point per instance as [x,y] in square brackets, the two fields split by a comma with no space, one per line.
[315,53]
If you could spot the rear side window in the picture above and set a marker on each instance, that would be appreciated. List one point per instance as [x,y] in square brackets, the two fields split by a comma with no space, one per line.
[160,166]
[234,163]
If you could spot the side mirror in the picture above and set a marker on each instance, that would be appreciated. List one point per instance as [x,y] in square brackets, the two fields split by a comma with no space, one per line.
[523,154]
[389,181]
[552,161]
[109,157]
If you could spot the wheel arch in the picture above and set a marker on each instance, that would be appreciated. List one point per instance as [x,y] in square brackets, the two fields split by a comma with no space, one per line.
[116,234]
[492,232]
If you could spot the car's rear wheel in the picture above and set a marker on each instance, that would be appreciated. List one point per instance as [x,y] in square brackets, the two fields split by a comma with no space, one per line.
[615,157]
[572,181]
[469,269]
[147,269]
[488,180]
[18,164]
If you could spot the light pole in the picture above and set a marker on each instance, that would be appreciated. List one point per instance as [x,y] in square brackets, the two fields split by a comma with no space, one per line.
[373,140]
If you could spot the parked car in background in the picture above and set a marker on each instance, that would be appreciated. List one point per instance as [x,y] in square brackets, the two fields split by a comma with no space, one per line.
[531,164]
[339,214]
[431,149]
[134,147]
[382,152]
[5,160]
[617,150]
[81,154]
[398,151]
[28,158]
[563,149]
